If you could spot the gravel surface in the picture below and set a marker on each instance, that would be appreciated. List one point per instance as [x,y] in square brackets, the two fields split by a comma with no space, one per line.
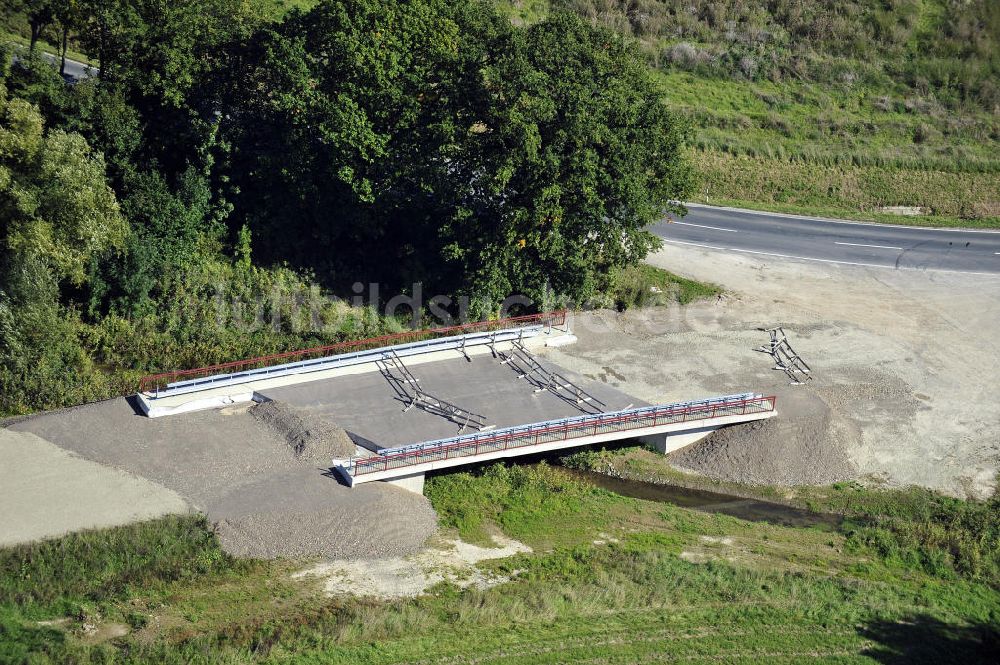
[290,515]
[48,491]
[226,463]
[905,364]
[310,436]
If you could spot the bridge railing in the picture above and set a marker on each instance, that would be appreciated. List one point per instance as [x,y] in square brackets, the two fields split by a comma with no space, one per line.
[472,445]
[154,382]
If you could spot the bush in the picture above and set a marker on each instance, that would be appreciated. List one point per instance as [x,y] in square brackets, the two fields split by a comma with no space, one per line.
[920,529]
[645,286]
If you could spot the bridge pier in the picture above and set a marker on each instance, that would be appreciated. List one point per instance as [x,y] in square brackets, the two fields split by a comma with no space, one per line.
[413,483]
[668,442]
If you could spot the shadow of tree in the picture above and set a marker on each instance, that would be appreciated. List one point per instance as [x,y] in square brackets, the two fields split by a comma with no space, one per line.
[925,639]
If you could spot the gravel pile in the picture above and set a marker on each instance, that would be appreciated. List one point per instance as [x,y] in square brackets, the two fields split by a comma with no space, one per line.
[777,451]
[266,501]
[290,515]
[311,437]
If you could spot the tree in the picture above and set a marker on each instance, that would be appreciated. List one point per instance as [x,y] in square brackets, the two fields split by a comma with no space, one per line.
[41,14]
[55,205]
[581,154]
[56,214]
[71,16]
[432,141]
[160,56]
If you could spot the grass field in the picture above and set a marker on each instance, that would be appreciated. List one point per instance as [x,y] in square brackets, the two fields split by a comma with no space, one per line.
[862,113]
[612,579]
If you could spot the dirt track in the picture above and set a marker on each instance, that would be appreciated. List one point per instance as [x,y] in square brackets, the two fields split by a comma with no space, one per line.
[906,367]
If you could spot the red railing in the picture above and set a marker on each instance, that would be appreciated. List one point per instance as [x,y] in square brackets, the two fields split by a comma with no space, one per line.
[578,427]
[155,381]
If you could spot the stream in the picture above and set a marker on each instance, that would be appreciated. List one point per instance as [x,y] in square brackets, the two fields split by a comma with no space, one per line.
[752,510]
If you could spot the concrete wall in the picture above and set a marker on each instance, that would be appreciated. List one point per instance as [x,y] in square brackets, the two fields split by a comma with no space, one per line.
[668,442]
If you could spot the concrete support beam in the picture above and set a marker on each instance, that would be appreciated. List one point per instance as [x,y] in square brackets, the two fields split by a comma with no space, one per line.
[414,483]
[668,442]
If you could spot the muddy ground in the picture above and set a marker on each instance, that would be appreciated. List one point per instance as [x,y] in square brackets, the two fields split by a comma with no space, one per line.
[906,369]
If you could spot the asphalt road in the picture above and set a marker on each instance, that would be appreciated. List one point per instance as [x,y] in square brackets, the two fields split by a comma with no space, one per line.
[74,70]
[833,241]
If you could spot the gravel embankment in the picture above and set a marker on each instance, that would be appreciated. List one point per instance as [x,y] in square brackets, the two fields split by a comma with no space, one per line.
[900,360]
[243,474]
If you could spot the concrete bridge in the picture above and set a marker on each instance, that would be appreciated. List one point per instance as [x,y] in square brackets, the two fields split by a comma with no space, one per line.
[666,427]
[483,379]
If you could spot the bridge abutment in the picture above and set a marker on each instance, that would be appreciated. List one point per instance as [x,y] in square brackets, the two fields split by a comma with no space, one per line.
[668,442]
[413,483]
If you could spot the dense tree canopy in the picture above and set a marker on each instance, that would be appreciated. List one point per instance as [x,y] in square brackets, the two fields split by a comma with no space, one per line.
[433,141]
[55,205]
[382,141]
[57,213]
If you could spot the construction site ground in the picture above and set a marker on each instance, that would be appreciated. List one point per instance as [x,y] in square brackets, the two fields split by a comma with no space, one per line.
[268,498]
[905,367]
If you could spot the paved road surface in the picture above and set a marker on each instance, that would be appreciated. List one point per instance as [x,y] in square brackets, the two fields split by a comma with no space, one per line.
[75,70]
[831,241]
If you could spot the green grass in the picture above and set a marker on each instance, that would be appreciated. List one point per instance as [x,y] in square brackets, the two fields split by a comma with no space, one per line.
[45,47]
[645,285]
[913,527]
[661,583]
[838,151]
[876,113]
[853,192]
[832,125]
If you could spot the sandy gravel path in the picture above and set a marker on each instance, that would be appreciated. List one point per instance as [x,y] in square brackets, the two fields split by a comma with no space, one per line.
[48,491]
[266,500]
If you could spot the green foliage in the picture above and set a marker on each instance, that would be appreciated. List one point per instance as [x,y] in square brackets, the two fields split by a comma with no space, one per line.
[56,214]
[929,46]
[84,574]
[496,160]
[54,200]
[797,106]
[644,285]
[631,600]
[953,199]
[522,500]
[914,529]
[924,530]
[97,566]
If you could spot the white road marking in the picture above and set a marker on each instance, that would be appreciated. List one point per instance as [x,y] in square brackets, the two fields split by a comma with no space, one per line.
[857,244]
[844,263]
[835,221]
[702,226]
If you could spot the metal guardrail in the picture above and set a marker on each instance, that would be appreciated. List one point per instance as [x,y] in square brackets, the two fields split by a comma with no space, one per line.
[453,343]
[471,445]
[155,382]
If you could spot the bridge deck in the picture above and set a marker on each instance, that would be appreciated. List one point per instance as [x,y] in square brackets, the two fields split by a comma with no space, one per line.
[367,406]
[554,435]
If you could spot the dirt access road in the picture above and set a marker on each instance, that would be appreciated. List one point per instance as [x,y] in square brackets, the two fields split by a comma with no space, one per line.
[906,369]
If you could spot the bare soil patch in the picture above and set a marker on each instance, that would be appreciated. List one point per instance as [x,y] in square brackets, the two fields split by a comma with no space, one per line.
[403,577]
[905,368]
